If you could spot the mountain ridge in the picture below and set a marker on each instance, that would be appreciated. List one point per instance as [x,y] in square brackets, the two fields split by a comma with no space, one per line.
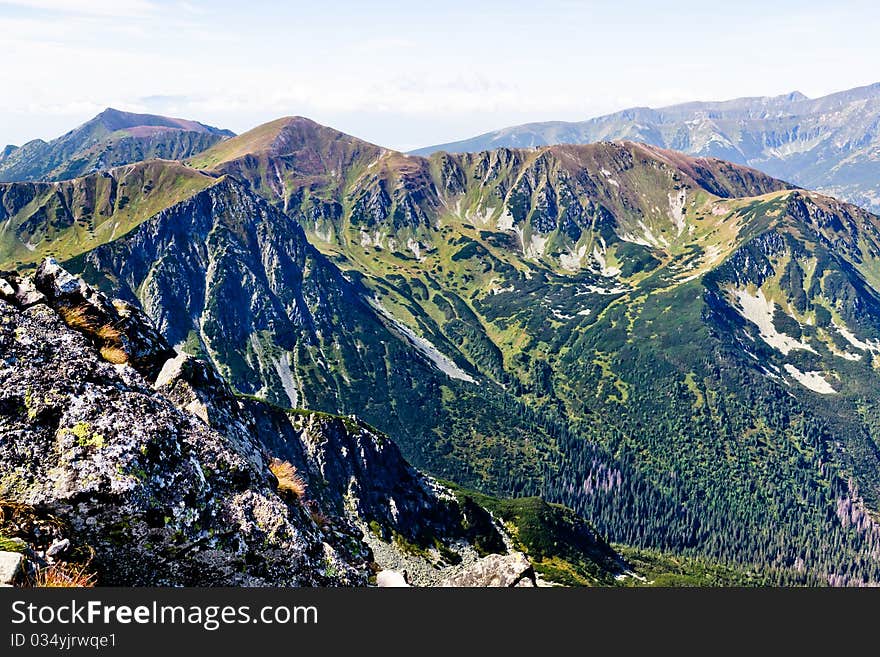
[66,218]
[828,143]
[161,464]
[110,139]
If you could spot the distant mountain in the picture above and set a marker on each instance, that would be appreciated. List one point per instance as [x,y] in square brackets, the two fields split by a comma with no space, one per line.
[831,144]
[6,152]
[111,139]
[292,156]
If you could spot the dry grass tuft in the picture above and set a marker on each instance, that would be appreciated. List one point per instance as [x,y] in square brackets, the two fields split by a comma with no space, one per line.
[65,575]
[78,317]
[16,517]
[107,336]
[114,355]
[289,480]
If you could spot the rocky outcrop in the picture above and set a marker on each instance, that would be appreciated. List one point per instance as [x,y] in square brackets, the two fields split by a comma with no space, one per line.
[351,471]
[496,570]
[160,472]
[115,325]
[138,480]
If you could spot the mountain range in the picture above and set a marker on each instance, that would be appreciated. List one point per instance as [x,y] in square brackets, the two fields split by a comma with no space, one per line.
[830,144]
[683,350]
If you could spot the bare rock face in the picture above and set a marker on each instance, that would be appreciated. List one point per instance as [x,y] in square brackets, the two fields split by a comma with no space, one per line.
[496,570]
[19,289]
[352,472]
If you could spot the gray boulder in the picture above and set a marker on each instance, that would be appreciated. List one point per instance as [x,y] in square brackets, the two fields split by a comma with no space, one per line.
[496,570]
[10,567]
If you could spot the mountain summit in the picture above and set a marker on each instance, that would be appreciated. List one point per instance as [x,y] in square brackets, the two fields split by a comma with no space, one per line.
[112,138]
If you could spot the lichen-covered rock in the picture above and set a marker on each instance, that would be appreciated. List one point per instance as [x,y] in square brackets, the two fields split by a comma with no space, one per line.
[115,324]
[10,567]
[355,475]
[19,289]
[159,496]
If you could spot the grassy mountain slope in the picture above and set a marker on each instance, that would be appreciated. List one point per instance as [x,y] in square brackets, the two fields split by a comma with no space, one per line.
[67,218]
[111,139]
[290,158]
[227,276]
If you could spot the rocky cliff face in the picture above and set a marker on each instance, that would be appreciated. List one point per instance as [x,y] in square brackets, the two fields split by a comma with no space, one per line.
[153,464]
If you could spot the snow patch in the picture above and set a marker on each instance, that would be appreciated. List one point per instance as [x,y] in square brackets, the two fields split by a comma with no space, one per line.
[627,237]
[481,217]
[849,336]
[599,257]
[414,246]
[440,360]
[536,244]
[571,261]
[505,221]
[282,368]
[711,256]
[812,380]
[536,247]
[843,354]
[498,290]
[652,240]
[607,174]
[593,289]
[759,310]
[558,314]
[327,235]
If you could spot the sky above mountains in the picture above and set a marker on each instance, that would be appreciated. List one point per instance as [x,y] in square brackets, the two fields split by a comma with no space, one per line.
[408,74]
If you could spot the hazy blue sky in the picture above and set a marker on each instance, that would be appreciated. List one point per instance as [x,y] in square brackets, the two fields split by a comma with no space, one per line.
[408,74]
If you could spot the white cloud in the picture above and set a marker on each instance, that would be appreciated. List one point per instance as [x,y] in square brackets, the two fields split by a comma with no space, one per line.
[118,8]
